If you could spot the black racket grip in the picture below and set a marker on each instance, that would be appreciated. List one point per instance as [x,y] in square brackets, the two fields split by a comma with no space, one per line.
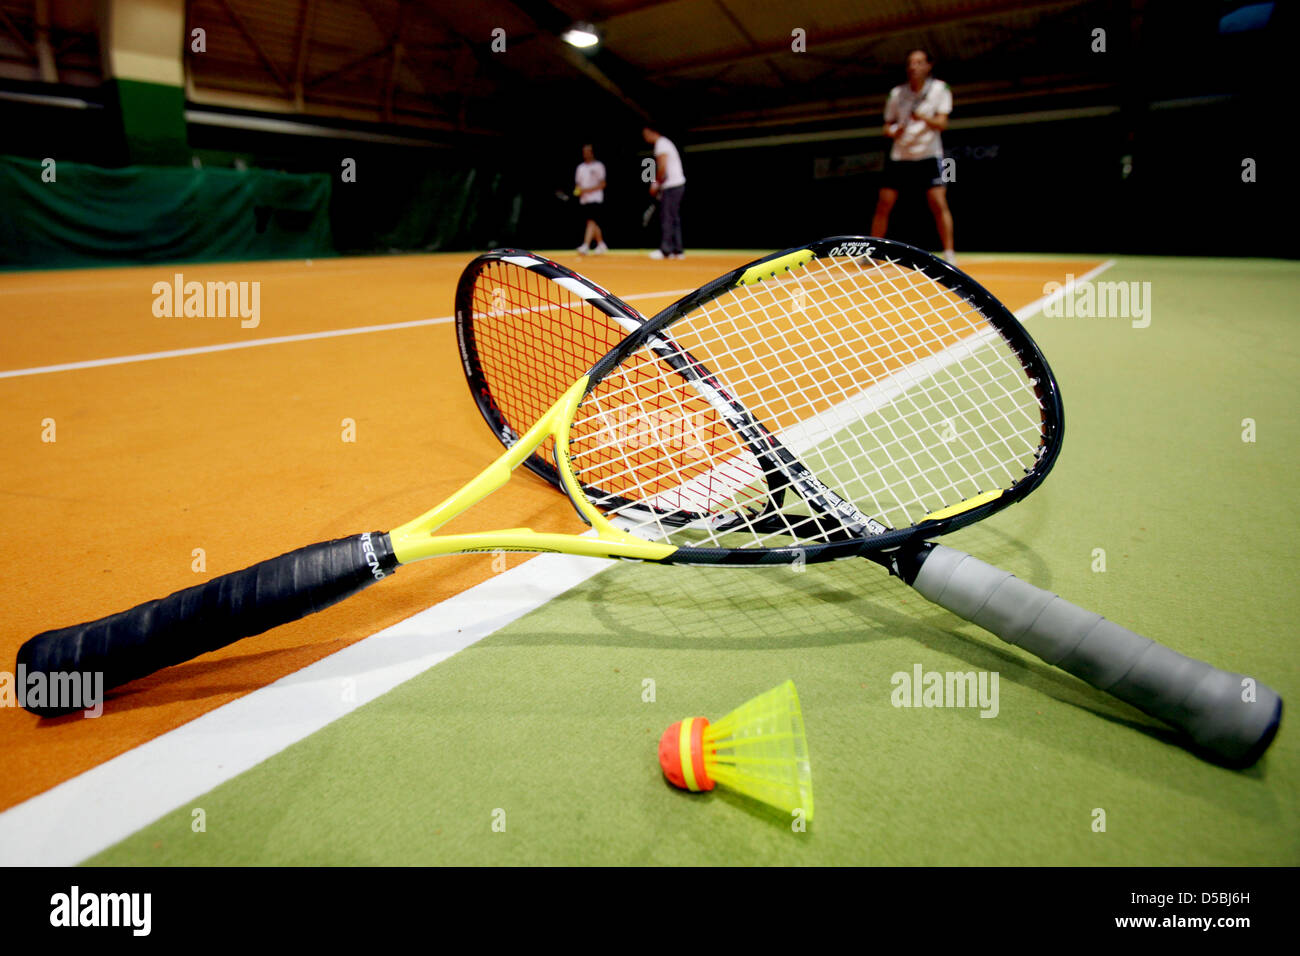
[1210,706]
[210,615]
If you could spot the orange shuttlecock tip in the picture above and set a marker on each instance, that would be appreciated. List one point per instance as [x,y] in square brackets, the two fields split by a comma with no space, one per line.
[681,754]
[758,750]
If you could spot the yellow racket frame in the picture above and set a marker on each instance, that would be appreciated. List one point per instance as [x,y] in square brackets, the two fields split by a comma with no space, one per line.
[417,539]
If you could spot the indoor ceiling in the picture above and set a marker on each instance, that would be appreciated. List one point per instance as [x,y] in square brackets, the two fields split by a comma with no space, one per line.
[700,67]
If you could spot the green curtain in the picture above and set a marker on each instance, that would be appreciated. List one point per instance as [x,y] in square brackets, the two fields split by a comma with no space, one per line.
[95,216]
[415,207]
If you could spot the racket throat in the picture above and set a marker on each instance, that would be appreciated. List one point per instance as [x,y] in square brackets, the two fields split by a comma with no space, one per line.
[415,539]
[834,516]
[903,563]
[608,544]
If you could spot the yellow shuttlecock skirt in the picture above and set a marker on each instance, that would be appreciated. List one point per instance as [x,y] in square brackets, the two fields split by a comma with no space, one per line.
[759,749]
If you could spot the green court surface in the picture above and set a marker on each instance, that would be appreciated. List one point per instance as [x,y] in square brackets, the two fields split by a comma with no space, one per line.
[546,725]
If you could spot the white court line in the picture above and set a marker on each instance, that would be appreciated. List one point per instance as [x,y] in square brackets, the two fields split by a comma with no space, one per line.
[219,347]
[90,812]
[118,277]
[1033,308]
[277,340]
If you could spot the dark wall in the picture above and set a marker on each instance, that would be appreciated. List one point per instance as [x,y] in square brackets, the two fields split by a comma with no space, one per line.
[549,223]
[1045,186]
[400,198]
[1050,186]
[37,131]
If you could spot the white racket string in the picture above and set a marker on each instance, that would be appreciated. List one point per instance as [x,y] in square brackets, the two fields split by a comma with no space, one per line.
[892,390]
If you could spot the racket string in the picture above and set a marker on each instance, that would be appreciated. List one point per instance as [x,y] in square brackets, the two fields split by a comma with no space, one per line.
[532,339]
[894,391]
[1013,374]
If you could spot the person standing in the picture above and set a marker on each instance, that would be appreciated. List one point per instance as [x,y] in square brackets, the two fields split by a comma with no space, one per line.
[669,186]
[916,113]
[589,184]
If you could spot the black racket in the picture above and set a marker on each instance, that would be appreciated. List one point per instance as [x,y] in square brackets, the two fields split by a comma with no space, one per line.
[882,397]
[850,397]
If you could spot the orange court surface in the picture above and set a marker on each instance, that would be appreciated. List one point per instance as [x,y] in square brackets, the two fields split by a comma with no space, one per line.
[241,448]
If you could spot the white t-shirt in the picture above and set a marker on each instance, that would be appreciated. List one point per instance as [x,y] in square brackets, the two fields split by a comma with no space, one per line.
[673,175]
[589,176]
[917,141]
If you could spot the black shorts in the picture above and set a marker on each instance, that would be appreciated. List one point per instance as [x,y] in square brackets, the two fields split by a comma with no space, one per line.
[920,174]
[590,210]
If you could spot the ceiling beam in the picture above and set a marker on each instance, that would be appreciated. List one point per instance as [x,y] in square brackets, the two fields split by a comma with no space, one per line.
[548,22]
[491,64]
[238,21]
[17,35]
[394,64]
[576,58]
[350,65]
[894,27]
[635,6]
[306,13]
[390,85]
[44,52]
[768,61]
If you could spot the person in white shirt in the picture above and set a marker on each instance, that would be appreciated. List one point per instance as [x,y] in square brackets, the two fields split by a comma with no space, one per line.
[589,186]
[915,114]
[669,185]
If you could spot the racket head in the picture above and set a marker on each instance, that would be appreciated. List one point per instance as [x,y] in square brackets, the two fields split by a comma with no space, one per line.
[795,409]
[528,328]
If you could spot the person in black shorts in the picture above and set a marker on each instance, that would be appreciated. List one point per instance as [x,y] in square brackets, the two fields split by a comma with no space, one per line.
[589,187]
[915,114]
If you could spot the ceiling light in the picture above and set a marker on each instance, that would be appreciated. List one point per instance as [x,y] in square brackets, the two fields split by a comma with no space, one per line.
[581,35]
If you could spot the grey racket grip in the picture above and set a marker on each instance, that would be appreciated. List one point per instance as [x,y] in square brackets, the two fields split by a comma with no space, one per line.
[202,618]
[1203,702]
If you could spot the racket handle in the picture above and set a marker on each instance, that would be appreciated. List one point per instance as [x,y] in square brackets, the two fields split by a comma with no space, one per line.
[210,615]
[1204,703]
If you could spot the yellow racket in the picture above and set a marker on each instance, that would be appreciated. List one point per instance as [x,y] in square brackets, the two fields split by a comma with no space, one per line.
[852,397]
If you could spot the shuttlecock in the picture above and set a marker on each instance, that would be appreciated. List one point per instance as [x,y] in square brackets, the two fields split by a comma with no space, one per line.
[758,749]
